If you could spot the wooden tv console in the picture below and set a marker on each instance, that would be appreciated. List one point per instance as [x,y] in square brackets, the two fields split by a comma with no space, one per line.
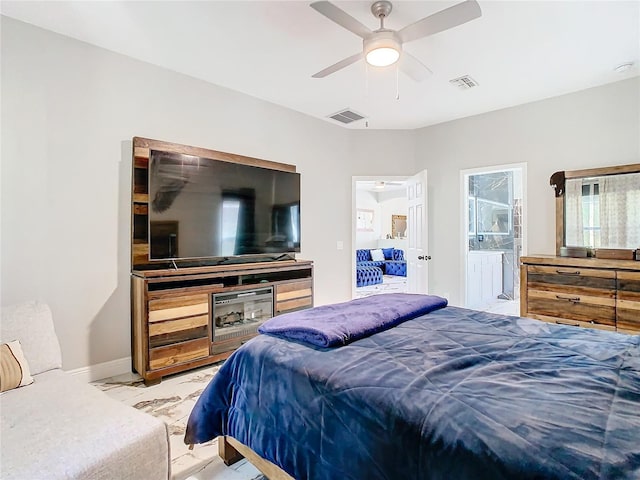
[173,324]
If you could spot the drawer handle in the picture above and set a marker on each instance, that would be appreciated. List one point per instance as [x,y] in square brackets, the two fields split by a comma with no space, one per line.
[568,323]
[568,299]
[564,272]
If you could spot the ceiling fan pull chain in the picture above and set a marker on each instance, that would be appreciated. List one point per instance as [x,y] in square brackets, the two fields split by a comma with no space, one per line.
[397,82]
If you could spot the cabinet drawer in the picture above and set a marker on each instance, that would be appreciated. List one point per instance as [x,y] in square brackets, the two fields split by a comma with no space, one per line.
[628,303]
[294,296]
[178,353]
[296,304]
[287,291]
[178,307]
[572,306]
[574,281]
[174,331]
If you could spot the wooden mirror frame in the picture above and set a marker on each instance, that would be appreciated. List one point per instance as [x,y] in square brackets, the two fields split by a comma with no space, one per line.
[557,181]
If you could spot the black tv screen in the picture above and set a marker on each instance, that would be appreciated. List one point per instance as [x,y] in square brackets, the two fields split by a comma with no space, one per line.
[202,208]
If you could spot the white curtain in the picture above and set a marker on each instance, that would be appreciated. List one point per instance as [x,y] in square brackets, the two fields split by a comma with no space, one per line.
[620,211]
[573,213]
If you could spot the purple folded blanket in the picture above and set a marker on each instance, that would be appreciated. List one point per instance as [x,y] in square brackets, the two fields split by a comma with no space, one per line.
[343,323]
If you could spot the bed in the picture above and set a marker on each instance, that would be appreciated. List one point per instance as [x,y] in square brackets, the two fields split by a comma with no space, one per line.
[449,394]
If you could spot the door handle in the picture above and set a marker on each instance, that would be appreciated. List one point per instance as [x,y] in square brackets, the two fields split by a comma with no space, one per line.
[424,257]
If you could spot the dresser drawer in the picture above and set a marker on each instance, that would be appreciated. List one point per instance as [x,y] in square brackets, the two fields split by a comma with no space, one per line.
[574,323]
[581,281]
[628,303]
[585,295]
[571,306]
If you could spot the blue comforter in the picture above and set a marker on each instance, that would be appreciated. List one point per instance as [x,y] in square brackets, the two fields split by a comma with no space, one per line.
[455,394]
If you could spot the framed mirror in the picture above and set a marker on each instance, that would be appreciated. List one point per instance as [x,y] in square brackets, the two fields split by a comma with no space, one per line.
[493,218]
[398,226]
[598,207]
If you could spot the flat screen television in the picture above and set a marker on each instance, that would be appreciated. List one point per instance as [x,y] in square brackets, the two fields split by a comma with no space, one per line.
[201,208]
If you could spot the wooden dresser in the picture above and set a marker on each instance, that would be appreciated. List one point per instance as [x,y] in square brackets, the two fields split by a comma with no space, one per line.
[585,292]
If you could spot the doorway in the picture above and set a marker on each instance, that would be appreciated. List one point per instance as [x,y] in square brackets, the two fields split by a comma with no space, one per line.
[390,215]
[494,236]
[380,209]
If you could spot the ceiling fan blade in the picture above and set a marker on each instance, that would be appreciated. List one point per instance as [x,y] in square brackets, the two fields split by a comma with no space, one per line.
[413,67]
[442,20]
[341,17]
[338,66]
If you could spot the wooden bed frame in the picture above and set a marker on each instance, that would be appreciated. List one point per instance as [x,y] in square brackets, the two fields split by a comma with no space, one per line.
[231,451]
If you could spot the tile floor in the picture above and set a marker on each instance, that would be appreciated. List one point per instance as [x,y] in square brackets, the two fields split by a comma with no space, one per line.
[504,307]
[172,401]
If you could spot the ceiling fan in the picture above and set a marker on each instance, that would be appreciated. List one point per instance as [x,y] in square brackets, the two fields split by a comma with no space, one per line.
[383,47]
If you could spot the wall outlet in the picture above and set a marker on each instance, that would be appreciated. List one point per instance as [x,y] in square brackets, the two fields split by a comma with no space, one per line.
[340,245]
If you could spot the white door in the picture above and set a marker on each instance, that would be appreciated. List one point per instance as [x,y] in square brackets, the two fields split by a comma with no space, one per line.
[417,251]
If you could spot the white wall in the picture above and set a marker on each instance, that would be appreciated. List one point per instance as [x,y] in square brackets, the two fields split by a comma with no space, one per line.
[366,200]
[392,203]
[69,111]
[592,128]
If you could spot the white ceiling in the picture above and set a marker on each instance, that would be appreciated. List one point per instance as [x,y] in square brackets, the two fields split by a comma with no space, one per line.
[518,51]
[380,186]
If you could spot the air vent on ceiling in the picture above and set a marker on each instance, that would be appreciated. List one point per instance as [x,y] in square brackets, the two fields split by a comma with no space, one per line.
[346,116]
[464,83]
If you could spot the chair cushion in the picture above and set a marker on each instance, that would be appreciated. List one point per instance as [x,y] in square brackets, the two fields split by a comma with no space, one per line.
[363,255]
[395,268]
[31,323]
[370,264]
[368,276]
[63,428]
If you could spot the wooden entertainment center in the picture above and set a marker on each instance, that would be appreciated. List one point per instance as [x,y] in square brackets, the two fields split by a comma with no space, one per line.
[190,313]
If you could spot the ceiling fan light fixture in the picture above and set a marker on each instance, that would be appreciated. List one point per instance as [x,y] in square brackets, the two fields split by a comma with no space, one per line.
[383,57]
[382,49]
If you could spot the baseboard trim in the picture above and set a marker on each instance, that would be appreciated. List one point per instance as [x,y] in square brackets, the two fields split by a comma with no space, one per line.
[102,370]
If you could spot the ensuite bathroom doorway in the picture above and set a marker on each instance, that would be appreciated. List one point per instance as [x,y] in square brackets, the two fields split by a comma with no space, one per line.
[494,237]
[380,209]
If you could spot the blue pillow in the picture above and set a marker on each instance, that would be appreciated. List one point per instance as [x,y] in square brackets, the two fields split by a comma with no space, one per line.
[388,253]
[398,255]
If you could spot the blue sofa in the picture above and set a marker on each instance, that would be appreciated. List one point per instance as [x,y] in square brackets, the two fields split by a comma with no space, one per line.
[369,271]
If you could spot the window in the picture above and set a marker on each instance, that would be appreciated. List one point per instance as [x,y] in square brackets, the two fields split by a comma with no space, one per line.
[591,213]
